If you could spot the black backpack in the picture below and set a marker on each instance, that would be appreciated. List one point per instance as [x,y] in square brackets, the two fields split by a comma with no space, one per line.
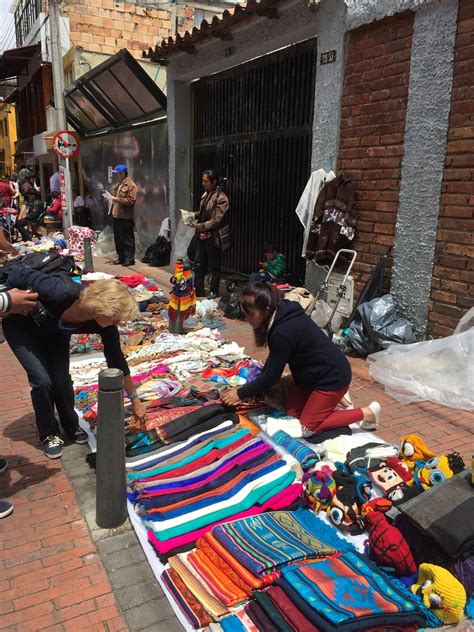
[159,253]
[47,262]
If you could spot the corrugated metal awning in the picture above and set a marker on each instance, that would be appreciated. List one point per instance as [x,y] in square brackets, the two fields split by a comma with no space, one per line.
[15,60]
[114,95]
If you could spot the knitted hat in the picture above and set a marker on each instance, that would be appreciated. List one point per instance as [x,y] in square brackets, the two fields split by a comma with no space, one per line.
[413,448]
[387,546]
[441,592]
[320,487]
[400,467]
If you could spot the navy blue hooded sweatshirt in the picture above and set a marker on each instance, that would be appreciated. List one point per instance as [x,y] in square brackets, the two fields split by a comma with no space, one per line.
[56,294]
[315,362]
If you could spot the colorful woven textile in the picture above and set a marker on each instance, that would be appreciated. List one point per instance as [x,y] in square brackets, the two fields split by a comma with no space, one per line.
[187,602]
[282,500]
[194,583]
[255,583]
[256,492]
[216,580]
[222,440]
[270,541]
[302,453]
[348,592]
[164,415]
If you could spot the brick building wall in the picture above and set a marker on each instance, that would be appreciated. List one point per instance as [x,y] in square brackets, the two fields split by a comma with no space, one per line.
[453,273]
[374,102]
[107,26]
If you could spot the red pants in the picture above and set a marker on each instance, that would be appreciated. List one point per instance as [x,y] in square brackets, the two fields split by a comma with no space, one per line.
[315,409]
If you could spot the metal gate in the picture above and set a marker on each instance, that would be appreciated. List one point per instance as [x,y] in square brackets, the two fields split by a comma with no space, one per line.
[253,123]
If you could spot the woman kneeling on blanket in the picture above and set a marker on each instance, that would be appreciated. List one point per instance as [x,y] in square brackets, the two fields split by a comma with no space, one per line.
[320,370]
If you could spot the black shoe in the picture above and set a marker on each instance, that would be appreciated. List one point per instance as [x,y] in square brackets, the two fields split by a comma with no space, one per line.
[6,508]
[128,263]
[80,436]
[53,447]
[3,465]
[117,262]
[212,295]
[200,294]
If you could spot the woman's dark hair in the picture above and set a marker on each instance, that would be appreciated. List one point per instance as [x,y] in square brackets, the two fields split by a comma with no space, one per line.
[211,174]
[264,297]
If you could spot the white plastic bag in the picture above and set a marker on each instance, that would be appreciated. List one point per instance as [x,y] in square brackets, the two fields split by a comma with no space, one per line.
[466,322]
[105,246]
[322,313]
[440,371]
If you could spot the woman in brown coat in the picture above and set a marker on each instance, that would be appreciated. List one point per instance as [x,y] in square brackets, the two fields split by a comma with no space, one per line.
[214,206]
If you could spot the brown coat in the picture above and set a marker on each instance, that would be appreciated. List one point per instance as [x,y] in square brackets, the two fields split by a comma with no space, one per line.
[214,206]
[123,206]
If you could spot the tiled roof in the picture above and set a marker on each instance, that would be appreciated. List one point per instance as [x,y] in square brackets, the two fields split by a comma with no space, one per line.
[218,27]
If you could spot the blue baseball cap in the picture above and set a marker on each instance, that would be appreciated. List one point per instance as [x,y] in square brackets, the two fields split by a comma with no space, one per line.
[120,169]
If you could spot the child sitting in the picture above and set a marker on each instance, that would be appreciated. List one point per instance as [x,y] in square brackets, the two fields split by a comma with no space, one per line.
[272,268]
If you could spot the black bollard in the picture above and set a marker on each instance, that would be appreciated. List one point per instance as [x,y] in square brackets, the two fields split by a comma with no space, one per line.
[88,263]
[111,489]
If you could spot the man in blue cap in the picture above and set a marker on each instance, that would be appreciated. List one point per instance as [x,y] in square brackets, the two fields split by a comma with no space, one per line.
[123,208]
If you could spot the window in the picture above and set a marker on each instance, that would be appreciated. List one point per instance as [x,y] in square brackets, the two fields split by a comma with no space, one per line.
[26,15]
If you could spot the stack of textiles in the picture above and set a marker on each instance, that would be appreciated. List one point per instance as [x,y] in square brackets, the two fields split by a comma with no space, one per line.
[235,559]
[346,592]
[218,470]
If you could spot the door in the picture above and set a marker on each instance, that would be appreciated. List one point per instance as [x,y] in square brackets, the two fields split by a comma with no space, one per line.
[253,124]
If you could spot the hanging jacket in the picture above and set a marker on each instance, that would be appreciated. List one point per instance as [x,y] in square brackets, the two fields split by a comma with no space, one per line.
[308,198]
[333,223]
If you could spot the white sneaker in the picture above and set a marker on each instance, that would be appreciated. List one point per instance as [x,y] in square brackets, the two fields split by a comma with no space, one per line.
[346,402]
[372,425]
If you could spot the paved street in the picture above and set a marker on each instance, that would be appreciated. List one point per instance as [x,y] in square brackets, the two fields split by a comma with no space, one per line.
[59,572]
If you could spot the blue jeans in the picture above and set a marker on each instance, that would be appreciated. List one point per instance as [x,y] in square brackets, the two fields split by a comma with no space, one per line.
[45,359]
[260,276]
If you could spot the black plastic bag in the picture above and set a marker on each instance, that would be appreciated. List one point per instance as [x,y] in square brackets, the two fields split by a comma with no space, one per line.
[376,326]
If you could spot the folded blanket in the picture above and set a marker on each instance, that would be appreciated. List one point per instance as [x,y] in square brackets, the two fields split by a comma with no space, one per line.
[187,602]
[349,593]
[270,541]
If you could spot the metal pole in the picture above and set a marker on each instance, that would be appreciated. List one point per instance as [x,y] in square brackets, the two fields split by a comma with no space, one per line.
[88,262]
[58,91]
[111,489]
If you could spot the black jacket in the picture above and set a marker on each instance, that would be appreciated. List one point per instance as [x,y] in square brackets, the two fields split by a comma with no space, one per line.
[56,294]
[315,362]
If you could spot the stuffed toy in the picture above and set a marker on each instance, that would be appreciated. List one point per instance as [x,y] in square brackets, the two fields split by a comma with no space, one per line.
[345,511]
[437,469]
[413,448]
[387,546]
[441,592]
